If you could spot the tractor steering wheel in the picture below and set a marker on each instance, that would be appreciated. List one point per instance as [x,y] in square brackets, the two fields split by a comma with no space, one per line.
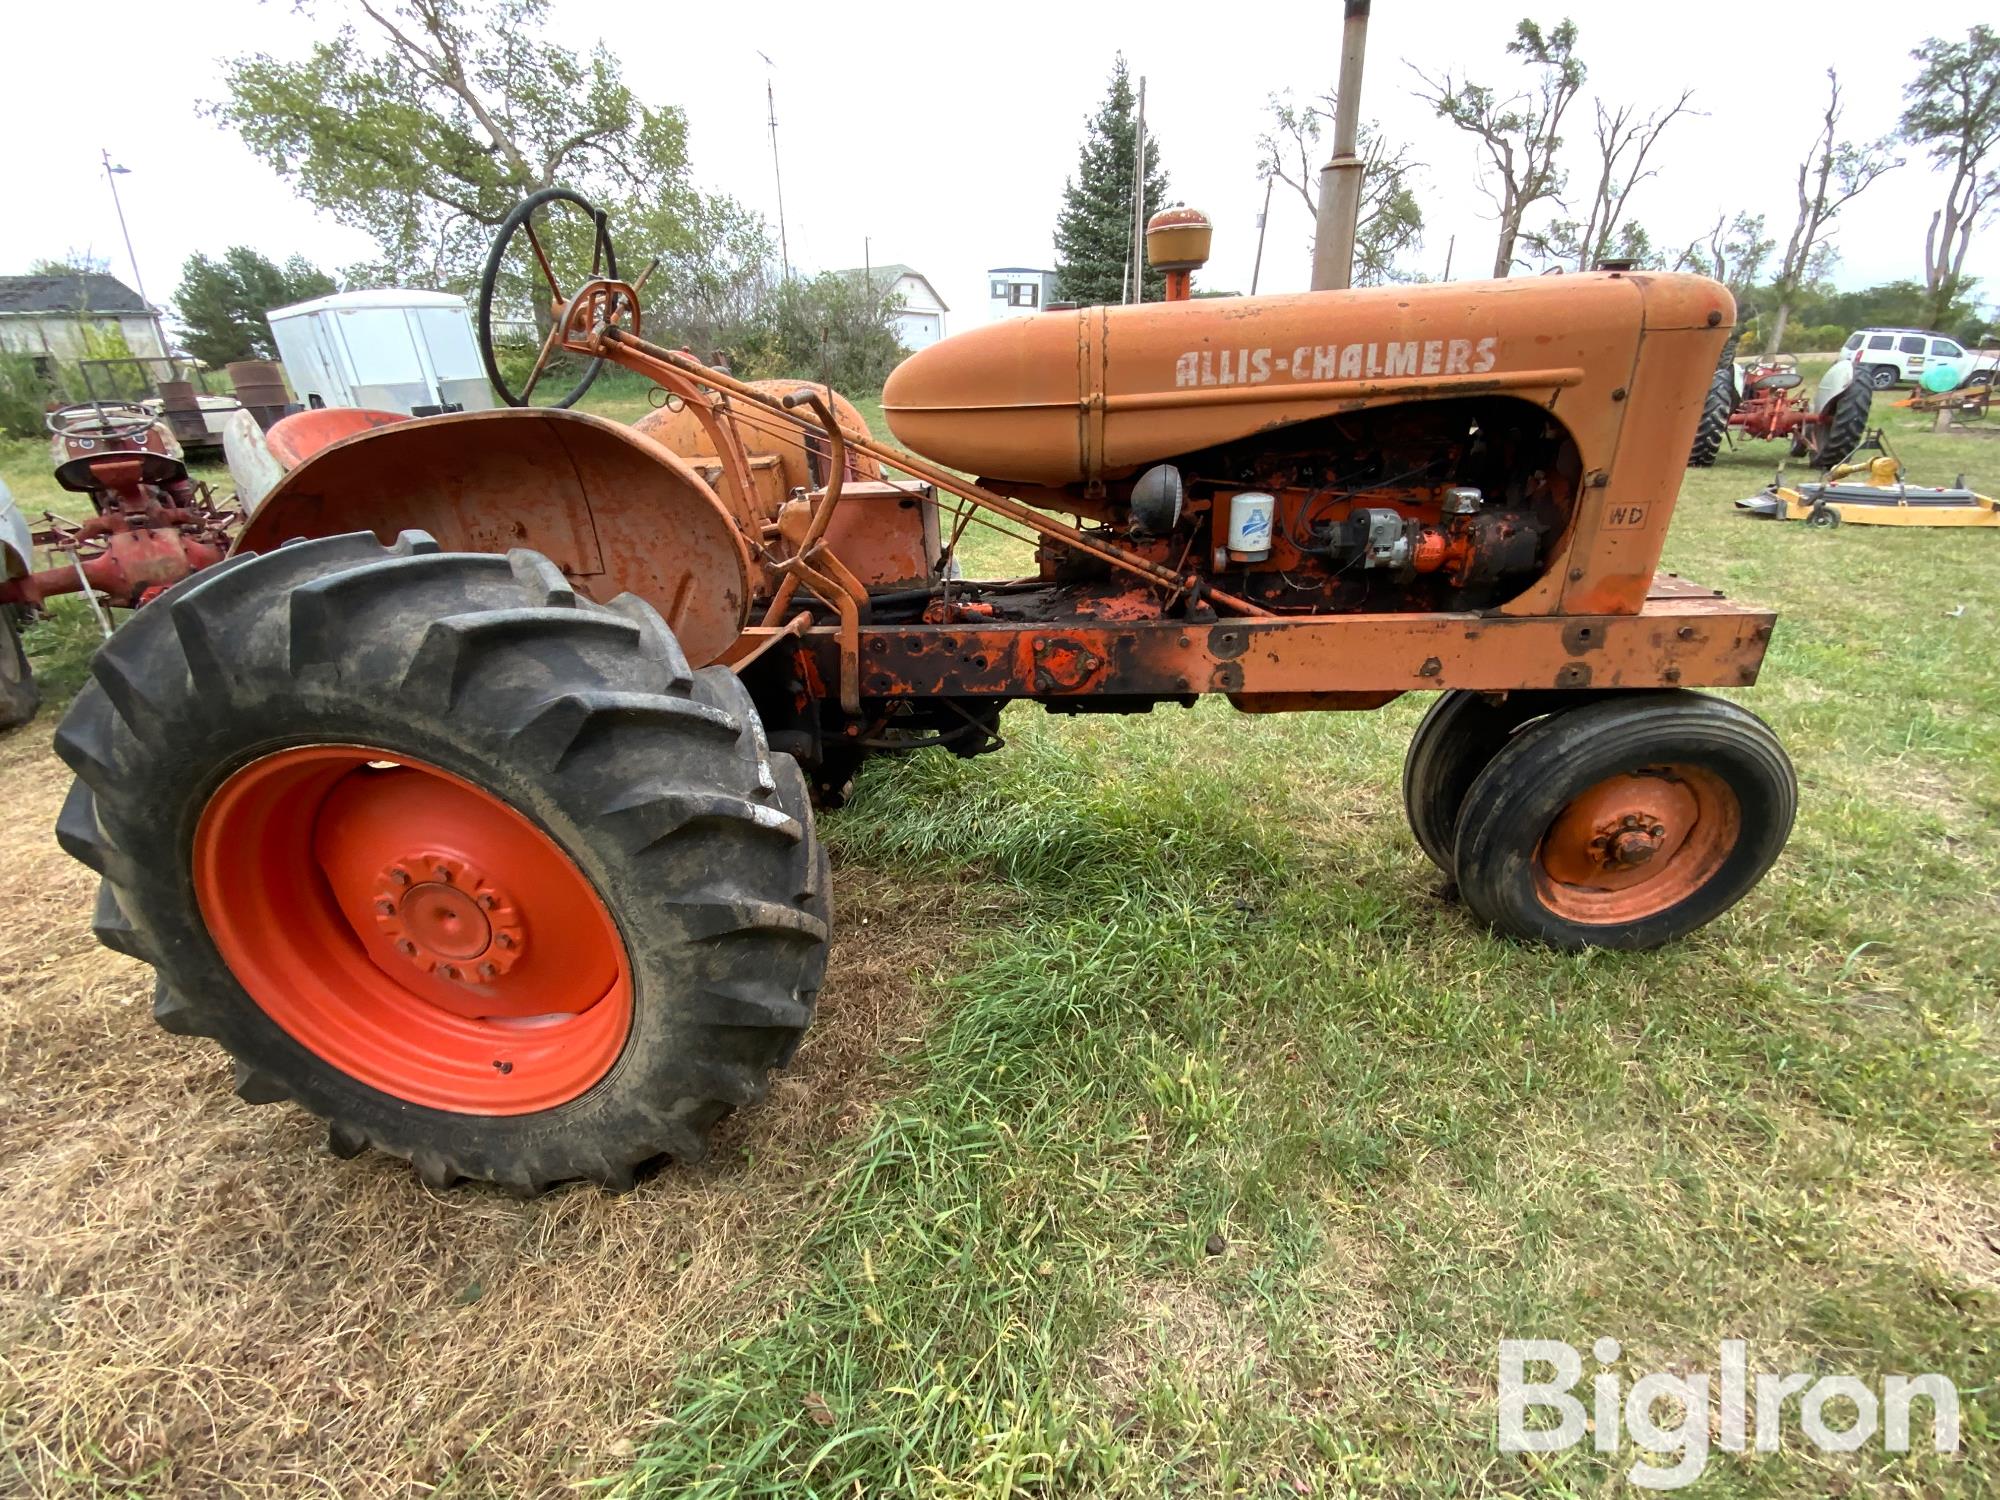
[106,419]
[524,221]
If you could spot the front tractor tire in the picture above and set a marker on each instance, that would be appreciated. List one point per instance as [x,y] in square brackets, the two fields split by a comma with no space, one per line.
[476,870]
[1624,823]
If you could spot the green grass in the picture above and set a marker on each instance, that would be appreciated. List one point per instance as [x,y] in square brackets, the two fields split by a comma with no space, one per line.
[1229,1153]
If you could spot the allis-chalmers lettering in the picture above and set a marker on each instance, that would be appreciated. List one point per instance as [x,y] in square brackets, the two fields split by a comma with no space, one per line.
[1398,357]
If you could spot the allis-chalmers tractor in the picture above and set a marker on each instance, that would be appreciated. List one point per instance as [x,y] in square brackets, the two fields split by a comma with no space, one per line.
[469,803]
[1767,399]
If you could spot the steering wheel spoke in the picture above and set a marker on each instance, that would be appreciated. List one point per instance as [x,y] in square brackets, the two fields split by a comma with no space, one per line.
[553,242]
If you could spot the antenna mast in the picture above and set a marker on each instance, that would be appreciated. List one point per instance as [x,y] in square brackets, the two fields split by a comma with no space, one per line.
[784,246]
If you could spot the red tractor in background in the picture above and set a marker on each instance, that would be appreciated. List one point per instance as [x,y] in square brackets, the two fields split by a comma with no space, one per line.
[152,526]
[1765,399]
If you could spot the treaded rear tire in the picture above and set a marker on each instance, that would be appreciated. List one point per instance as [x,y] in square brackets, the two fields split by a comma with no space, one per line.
[19,697]
[652,779]
[1716,408]
[1842,425]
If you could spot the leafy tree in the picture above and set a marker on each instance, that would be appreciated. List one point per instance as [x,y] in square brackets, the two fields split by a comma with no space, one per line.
[422,122]
[1094,229]
[1520,133]
[222,303]
[1833,173]
[1391,221]
[1954,114]
[834,328]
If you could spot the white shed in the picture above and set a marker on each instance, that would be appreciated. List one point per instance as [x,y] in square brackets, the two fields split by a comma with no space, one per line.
[386,350]
[919,322]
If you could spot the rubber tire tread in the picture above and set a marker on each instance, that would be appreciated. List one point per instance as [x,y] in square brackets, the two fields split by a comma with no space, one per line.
[19,696]
[1460,732]
[1844,424]
[1716,408]
[1515,799]
[585,718]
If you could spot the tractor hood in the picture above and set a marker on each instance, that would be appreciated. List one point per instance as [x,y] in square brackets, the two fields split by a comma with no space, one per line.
[1085,394]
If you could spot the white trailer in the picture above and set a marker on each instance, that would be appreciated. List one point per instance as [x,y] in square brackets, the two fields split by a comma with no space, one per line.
[411,352]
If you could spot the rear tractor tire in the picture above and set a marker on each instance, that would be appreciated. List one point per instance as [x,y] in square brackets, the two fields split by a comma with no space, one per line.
[1842,425]
[477,871]
[19,697]
[1717,409]
[1624,823]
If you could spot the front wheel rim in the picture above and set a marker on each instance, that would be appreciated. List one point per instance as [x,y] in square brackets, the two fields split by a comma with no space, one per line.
[412,930]
[1637,844]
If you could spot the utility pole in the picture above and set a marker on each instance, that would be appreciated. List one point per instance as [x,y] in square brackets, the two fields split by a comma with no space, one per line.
[111,175]
[784,247]
[1139,200]
[1257,267]
[1449,246]
[1340,178]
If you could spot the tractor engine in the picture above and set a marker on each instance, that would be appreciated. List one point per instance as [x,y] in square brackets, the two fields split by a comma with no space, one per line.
[1444,505]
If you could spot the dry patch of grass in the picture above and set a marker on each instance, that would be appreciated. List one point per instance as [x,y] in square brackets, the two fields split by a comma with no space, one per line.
[194,1299]
[1943,1221]
[1180,1328]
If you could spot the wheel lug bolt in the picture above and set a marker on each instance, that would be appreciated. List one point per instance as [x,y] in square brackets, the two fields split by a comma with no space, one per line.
[447,971]
[488,971]
[1659,832]
[405,947]
[400,877]
[487,901]
[504,939]
[443,873]
[386,907]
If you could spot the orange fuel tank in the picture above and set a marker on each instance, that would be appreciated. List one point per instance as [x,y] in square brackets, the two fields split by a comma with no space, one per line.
[1082,395]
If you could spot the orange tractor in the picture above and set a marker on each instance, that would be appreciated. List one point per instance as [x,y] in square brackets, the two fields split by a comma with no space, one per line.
[469,803]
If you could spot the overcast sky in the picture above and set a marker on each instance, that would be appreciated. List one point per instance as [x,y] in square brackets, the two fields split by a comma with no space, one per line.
[941,135]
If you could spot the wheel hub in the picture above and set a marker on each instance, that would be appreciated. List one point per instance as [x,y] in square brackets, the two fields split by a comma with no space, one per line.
[456,924]
[1612,833]
[1636,842]
[356,894]
[1631,841]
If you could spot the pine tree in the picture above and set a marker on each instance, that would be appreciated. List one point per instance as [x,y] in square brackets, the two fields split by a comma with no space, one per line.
[1094,230]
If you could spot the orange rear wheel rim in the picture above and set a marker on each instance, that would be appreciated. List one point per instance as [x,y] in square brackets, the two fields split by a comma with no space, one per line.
[412,930]
[1636,844]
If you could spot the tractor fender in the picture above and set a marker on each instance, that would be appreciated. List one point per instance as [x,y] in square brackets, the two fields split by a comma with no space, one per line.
[614,510]
[1838,377]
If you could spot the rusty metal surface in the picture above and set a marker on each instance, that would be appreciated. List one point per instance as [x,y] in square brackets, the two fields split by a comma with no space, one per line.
[610,507]
[294,439]
[801,459]
[1680,639]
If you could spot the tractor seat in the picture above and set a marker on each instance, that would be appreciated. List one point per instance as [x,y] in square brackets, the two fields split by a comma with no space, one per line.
[1775,380]
[113,467]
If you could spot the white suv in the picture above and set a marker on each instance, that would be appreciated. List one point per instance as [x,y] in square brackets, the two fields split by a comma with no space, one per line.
[1884,356]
